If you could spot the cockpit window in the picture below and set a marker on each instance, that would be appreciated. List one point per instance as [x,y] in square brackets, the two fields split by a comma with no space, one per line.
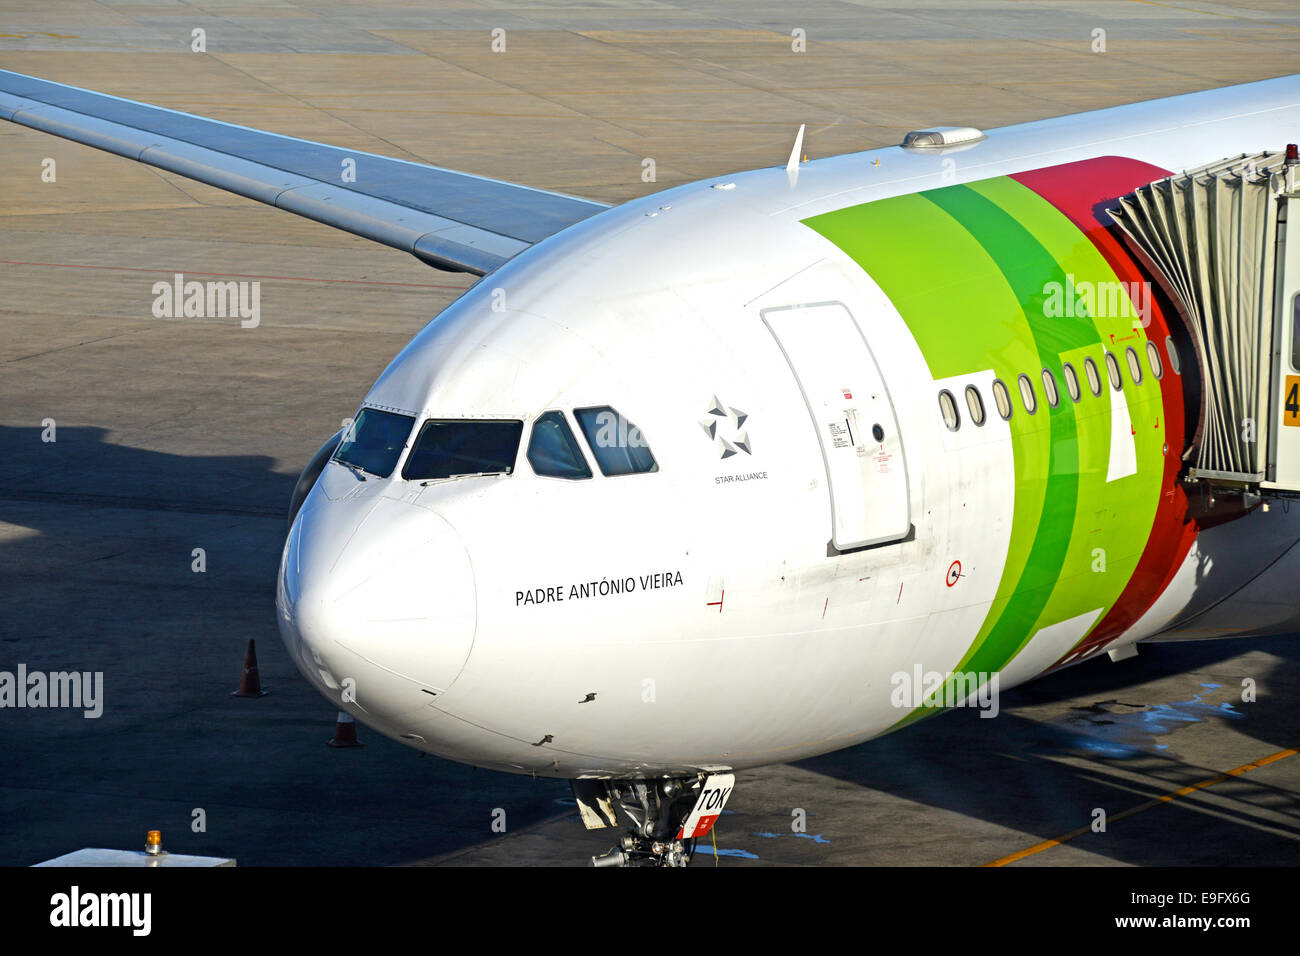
[374,441]
[618,445]
[446,449]
[553,451]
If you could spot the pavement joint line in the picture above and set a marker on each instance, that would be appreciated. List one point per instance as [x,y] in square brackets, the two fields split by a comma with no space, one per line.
[236,275]
[1158,801]
[74,345]
[232,805]
[138,503]
[1212,13]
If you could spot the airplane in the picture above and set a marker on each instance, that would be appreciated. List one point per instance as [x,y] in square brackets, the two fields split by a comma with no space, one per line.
[770,464]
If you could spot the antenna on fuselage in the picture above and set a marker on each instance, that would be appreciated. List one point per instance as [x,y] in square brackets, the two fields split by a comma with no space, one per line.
[792,166]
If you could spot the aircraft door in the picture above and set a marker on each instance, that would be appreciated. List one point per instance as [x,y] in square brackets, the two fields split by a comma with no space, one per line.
[854,418]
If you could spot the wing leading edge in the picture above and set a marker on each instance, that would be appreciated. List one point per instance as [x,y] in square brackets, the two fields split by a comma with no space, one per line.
[450,220]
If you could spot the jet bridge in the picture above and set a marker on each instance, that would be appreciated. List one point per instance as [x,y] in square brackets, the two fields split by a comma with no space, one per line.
[1215,238]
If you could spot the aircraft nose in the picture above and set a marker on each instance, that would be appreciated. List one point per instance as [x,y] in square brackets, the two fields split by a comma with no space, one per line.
[378,592]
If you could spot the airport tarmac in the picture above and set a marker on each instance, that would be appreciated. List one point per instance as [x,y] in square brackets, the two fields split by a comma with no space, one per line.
[180,434]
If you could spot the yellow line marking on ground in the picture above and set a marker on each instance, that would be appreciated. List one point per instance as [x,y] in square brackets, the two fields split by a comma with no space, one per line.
[1158,801]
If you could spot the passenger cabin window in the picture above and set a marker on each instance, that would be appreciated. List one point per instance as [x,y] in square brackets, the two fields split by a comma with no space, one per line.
[553,451]
[1027,394]
[1071,381]
[1094,377]
[975,403]
[453,448]
[1002,398]
[1134,366]
[948,408]
[618,445]
[1175,362]
[1112,368]
[374,441]
[1153,359]
[1049,388]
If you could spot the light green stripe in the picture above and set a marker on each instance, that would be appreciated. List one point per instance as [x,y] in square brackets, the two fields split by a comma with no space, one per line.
[987,252]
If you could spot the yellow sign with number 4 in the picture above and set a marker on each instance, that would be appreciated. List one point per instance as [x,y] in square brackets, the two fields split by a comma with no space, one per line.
[1291,405]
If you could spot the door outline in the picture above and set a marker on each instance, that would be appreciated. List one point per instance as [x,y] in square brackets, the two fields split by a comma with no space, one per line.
[907,532]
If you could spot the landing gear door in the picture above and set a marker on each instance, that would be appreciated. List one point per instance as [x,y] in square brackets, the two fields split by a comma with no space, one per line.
[854,419]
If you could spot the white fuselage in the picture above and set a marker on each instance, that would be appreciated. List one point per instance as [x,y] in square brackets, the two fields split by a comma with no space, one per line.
[697,617]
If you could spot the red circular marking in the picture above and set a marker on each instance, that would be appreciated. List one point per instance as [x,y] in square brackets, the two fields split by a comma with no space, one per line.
[954,572]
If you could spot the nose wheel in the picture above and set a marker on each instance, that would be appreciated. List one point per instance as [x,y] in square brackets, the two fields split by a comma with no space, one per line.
[664,818]
[634,850]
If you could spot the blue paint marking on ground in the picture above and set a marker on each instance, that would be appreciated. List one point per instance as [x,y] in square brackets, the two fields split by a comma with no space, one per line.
[743,854]
[816,838]
[1162,718]
[1106,748]
[1117,731]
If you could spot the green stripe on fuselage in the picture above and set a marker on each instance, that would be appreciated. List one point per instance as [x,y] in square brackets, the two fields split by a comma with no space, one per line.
[1112,519]
[940,279]
[970,268]
[1027,268]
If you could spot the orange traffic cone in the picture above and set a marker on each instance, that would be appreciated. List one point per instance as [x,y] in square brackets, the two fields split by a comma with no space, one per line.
[345,732]
[249,684]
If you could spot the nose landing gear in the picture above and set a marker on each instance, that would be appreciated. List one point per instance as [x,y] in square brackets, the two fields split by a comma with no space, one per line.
[664,818]
[633,850]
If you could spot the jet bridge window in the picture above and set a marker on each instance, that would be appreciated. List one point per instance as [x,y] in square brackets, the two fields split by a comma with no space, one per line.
[1295,334]
[618,445]
[450,448]
[553,451]
[375,441]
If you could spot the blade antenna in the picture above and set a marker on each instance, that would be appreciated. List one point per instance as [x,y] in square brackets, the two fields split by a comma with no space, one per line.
[792,166]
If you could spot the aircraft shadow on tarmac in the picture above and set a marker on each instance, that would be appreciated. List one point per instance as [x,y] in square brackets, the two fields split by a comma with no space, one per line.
[1116,720]
[97,575]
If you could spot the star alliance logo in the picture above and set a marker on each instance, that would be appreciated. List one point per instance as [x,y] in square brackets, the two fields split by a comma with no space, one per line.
[719,414]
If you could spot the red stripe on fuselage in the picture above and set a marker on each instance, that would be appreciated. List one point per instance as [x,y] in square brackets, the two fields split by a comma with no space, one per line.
[1081,192]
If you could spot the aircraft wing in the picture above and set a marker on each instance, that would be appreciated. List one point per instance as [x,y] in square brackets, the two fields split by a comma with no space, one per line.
[448,219]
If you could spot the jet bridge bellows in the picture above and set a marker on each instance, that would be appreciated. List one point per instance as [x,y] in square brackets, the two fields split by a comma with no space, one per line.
[1215,240]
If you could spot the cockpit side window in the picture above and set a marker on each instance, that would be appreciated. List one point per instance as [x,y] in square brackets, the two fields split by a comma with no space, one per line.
[451,448]
[374,441]
[618,445]
[553,451]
